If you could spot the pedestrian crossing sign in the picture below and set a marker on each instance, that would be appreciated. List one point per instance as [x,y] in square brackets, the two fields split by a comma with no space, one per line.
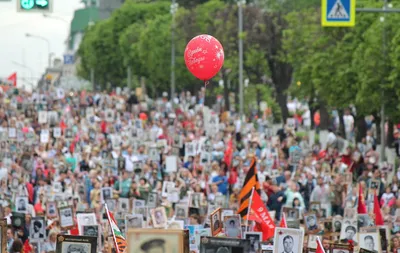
[338,13]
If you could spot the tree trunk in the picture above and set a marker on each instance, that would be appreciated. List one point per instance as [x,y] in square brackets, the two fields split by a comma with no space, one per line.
[281,98]
[324,114]
[378,129]
[341,123]
[226,93]
[361,128]
[390,137]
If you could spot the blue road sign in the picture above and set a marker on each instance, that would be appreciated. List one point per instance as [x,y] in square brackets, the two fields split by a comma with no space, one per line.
[339,13]
[68,59]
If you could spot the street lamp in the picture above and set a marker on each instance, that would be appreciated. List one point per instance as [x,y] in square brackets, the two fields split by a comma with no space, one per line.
[28,35]
[173,10]
[240,34]
[45,15]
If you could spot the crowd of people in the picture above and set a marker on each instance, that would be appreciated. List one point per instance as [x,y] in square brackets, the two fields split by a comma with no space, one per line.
[81,149]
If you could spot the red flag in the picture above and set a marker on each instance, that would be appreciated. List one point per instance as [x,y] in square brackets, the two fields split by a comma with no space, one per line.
[267,225]
[377,211]
[283,224]
[13,79]
[320,247]
[362,208]
[27,246]
[228,154]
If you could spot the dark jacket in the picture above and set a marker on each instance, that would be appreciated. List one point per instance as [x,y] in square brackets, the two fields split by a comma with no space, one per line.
[274,205]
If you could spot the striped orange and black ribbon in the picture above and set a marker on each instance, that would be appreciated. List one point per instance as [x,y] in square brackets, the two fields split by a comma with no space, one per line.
[250,182]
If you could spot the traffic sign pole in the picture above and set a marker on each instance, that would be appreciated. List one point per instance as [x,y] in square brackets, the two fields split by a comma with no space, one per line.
[42,6]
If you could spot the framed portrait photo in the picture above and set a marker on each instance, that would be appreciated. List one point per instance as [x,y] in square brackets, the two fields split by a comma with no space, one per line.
[195,200]
[349,231]
[288,240]
[3,235]
[85,219]
[336,224]
[340,248]
[291,213]
[159,217]
[181,211]
[216,222]
[223,245]
[73,244]
[90,230]
[106,193]
[255,239]
[37,229]
[66,216]
[152,199]
[21,204]
[232,226]
[123,205]
[311,222]
[370,241]
[155,240]
[51,210]
[138,203]
[364,220]
[133,221]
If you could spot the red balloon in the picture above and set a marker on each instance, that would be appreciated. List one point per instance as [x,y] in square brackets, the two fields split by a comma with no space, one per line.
[204,56]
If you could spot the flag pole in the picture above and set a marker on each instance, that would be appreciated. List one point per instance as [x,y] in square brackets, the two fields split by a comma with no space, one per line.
[112,230]
[249,208]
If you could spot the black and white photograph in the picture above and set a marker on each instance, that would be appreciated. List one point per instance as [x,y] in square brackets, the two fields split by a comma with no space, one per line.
[139,203]
[21,204]
[159,217]
[337,224]
[106,193]
[66,217]
[167,186]
[291,213]
[315,207]
[374,184]
[18,220]
[85,219]
[111,204]
[364,220]
[36,247]
[123,205]
[91,230]
[349,231]
[255,238]
[328,226]
[181,211]
[37,230]
[133,221]
[195,200]
[288,240]
[76,244]
[311,222]
[152,199]
[384,234]
[370,241]
[350,213]
[223,245]
[216,222]
[232,226]
[141,210]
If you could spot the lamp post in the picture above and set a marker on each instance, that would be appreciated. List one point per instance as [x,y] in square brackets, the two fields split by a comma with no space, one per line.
[240,34]
[174,9]
[45,15]
[28,35]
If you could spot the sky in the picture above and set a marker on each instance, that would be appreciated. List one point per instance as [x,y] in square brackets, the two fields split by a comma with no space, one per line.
[16,49]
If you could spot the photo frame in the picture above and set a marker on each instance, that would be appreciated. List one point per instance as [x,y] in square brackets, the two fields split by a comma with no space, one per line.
[36,246]
[133,221]
[370,241]
[37,229]
[195,200]
[152,200]
[255,239]
[18,220]
[384,233]
[232,226]
[85,219]
[91,230]
[72,243]
[123,205]
[3,235]
[51,210]
[220,244]
[311,223]
[66,217]
[349,231]
[216,222]
[312,241]
[315,206]
[336,224]
[21,204]
[283,234]
[350,213]
[181,211]
[291,213]
[106,193]
[159,217]
[328,226]
[364,220]
[147,239]
[340,248]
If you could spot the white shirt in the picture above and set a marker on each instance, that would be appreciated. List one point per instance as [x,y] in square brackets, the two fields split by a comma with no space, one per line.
[348,122]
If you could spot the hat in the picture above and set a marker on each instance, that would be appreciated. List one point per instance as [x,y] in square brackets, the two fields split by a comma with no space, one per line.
[147,246]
